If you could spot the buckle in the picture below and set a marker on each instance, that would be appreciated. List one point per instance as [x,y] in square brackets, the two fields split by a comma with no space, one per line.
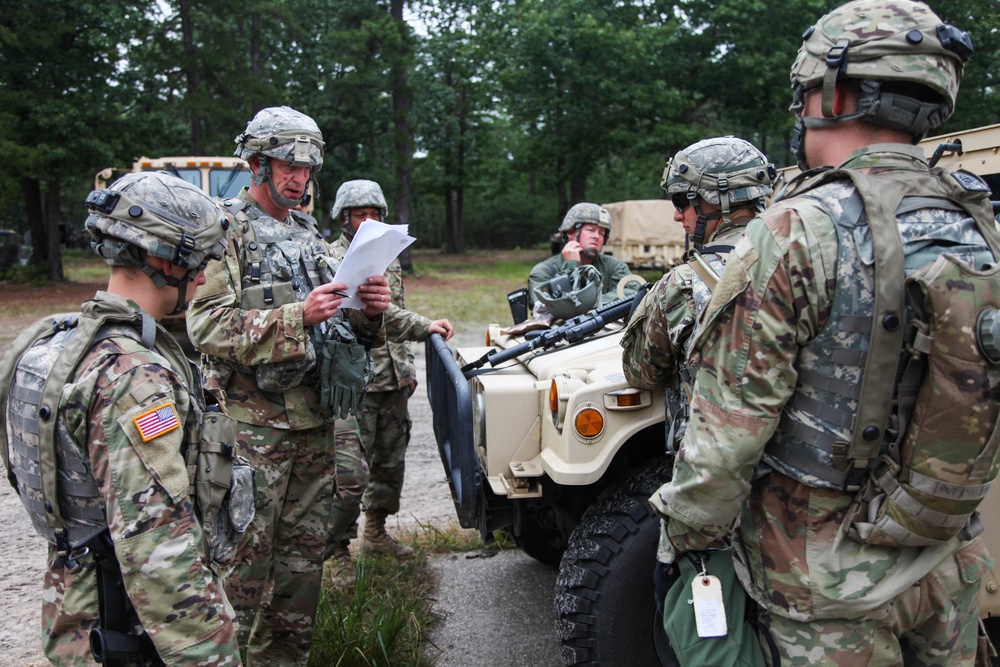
[836,56]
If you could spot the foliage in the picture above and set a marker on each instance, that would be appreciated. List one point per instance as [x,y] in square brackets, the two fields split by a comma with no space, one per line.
[381,621]
[515,109]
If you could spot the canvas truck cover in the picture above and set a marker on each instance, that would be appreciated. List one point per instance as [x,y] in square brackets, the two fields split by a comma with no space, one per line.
[644,234]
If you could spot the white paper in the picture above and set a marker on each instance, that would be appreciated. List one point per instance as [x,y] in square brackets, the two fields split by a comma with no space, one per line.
[372,249]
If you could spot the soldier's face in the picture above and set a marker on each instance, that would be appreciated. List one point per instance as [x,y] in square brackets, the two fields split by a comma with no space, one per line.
[359,214]
[591,237]
[289,181]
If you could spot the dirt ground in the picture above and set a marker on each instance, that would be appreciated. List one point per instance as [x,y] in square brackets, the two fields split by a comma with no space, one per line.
[426,498]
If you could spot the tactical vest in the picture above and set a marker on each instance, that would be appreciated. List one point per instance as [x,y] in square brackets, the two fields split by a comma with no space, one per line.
[51,472]
[873,412]
[282,264]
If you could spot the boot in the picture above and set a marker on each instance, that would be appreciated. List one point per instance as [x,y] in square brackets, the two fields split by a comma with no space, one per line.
[375,540]
[339,570]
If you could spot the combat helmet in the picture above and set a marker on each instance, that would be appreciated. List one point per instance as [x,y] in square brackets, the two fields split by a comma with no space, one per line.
[908,62]
[354,194]
[160,214]
[724,171]
[586,213]
[572,294]
[281,133]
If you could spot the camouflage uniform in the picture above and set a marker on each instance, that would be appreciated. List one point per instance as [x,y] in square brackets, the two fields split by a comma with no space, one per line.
[384,419]
[811,580]
[274,583]
[176,596]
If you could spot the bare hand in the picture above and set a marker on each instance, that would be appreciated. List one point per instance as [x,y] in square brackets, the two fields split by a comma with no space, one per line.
[322,303]
[571,251]
[376,296]
[442,327]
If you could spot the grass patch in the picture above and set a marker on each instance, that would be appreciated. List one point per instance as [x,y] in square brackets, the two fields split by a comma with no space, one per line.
[381,622]
[471,289]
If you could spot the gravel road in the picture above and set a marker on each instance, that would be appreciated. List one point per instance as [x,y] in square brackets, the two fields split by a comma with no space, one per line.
[496,610]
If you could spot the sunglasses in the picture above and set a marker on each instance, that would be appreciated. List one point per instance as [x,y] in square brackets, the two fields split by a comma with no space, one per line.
[680,200]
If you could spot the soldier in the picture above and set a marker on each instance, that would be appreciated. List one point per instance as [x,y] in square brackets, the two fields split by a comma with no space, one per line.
[273,338]
[658,339]
[384,417]
[585,228]
[804,350]
[129,568]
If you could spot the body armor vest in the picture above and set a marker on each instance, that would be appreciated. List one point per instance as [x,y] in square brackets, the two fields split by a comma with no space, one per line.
[843,425]
[52,472]
[282,264]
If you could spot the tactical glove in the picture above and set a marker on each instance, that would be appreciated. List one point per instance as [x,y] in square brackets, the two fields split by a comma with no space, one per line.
[343,372]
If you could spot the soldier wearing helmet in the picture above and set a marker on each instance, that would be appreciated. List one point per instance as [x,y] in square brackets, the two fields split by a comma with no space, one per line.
[585,229]
[717,185]
[114,432]
[293,366]
[384,415]
[801,344]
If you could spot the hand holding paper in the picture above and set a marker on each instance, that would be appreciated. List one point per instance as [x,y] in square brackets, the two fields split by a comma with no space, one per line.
[373,248]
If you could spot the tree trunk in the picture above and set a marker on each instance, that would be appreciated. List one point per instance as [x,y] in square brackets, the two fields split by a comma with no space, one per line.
[402,132]
[193,80]
[255,103]
[44,228]
[578,189]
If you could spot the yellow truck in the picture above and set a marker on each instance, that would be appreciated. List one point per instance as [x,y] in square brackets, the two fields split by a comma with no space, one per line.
[550,444]
[220,177]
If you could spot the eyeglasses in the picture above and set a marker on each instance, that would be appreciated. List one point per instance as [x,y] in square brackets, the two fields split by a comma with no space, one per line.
[680,200]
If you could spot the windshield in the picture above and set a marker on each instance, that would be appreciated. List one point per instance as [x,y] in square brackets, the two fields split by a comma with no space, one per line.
[225,183]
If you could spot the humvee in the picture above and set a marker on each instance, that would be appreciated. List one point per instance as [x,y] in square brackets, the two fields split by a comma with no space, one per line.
[551,445]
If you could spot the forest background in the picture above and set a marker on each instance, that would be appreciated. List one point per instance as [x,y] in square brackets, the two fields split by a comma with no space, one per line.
[484,121]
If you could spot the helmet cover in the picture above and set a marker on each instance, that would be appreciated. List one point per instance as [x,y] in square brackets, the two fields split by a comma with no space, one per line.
[160,213]
[569,295]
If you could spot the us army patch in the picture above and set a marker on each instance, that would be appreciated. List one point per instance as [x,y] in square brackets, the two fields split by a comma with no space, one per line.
[157,421]
[970,181]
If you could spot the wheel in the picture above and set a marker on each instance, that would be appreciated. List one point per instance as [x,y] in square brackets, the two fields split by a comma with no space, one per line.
[605,612]
[544,534]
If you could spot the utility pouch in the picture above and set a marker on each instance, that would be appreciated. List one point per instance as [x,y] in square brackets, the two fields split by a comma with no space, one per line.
[344,371]
[224,487]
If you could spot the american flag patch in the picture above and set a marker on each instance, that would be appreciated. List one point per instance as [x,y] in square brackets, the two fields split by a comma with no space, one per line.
[156,422]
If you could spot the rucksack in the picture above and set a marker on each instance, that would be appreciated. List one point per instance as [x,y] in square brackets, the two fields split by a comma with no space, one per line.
[924,447]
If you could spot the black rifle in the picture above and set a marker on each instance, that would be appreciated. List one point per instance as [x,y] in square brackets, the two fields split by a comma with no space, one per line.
[571,331]
[112,643]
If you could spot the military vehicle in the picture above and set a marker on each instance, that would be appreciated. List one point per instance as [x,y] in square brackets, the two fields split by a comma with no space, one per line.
[544,439]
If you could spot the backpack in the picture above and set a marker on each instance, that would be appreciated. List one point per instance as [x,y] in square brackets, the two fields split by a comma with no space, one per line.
[925,439]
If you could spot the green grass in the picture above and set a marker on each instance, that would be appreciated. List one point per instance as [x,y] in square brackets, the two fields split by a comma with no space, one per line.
[471,289]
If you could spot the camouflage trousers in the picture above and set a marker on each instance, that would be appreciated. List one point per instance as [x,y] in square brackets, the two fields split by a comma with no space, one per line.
[934,623]
[274,581]
[352,479]
[385,430]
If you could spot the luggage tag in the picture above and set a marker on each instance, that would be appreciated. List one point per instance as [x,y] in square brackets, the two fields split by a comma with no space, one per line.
[709,611]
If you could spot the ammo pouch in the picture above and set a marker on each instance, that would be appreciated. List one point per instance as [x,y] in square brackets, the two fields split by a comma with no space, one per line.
[224,486]
[284,375]
[344,371]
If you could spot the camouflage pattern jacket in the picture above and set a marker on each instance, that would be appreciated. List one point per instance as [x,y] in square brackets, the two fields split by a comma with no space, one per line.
[612,271]
[234,339]
[774,298]
[144,487]
[661,330]
[393,360]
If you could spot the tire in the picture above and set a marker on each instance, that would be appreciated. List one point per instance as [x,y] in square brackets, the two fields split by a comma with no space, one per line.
[605,612]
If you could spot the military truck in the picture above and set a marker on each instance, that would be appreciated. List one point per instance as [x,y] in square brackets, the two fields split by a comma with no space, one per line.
[546,441]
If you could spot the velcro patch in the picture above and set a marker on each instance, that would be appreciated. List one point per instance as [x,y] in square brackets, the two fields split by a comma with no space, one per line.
[156,422]
[970,181]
